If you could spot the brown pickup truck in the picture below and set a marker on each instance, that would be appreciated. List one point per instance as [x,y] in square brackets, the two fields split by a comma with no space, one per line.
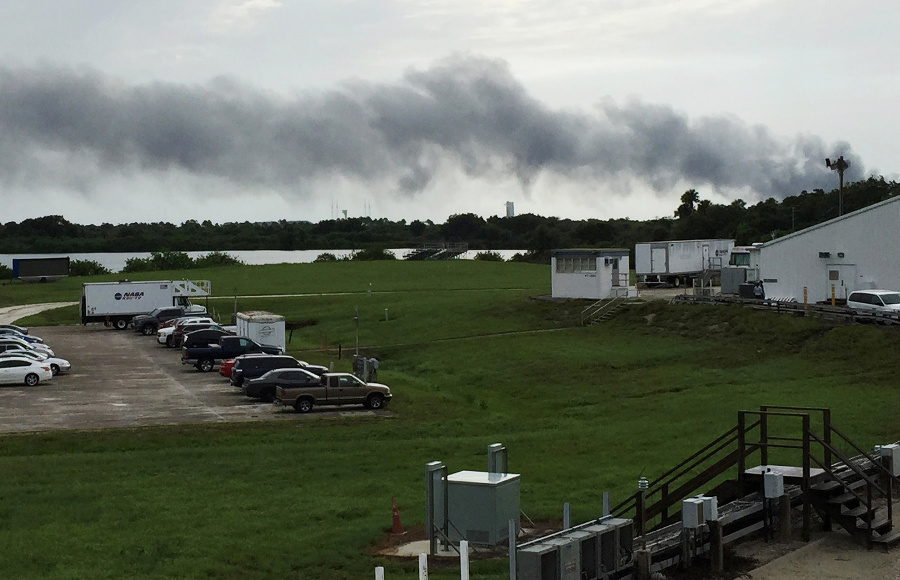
[335,389]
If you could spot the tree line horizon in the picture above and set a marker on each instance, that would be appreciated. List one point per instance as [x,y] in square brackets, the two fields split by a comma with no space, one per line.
[694,218]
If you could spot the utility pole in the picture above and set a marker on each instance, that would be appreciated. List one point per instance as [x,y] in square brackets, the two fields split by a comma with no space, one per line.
[839,165]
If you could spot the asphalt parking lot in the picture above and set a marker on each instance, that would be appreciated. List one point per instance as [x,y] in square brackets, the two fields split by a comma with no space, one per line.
[124,379]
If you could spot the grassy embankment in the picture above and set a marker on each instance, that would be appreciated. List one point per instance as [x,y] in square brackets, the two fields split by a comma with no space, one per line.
[581,410]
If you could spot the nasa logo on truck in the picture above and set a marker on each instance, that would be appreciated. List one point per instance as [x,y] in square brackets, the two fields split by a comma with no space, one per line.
[267,331]
[129,295]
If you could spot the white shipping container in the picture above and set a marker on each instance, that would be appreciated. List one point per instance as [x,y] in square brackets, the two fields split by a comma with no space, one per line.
[126,298]
[262,327]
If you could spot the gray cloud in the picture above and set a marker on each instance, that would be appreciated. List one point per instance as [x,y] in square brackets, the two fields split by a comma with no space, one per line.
[65,127]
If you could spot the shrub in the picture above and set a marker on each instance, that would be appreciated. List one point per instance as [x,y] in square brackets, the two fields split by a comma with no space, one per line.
[217,259]
[326,257]
[87,268]
[372,254]
[5,272]
[489,256]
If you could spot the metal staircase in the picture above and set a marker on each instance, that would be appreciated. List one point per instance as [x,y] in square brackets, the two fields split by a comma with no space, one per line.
[603,309]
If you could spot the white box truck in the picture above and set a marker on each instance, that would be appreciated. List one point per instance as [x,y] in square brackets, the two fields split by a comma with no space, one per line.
[262,327]
[677,262]
[116,303]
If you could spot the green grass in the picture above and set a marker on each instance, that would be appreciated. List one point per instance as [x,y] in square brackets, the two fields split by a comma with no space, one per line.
[581,410]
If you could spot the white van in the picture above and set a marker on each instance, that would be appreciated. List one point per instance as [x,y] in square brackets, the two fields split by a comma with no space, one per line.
[875,302]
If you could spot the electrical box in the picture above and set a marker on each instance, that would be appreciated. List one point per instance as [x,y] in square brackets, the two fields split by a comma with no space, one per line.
[614,544]
[481,505]
[578,556]
[710,508]
[692,513]
[773,484]
[891,454]
[538,562]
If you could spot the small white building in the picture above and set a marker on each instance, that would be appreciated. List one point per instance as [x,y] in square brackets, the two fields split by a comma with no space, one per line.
[590,273]
[859,250]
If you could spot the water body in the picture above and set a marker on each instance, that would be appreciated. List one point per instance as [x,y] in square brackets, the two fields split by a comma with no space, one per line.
[115,261]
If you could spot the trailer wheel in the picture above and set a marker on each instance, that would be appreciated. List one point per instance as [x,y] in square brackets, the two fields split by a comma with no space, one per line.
[205,364]
[120,323]
[303,405]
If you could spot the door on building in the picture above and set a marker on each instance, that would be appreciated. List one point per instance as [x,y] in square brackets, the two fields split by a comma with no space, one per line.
[705,251]
[614,262]
[843,278]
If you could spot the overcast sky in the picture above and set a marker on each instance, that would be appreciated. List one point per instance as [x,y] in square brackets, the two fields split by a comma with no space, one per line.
[234,110]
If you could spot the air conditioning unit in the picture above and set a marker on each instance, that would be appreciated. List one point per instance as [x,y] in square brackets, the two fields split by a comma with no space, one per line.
[538,562]
[614,541]
[892,452]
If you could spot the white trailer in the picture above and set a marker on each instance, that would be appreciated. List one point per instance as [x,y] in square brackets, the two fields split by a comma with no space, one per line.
[262,327]
[116,303]
[677,262]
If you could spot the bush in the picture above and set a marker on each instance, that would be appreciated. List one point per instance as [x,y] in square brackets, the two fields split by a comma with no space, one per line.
[138,265]
[87,268]
[489,256]
[372,254]
[217,259]
[326,257]
[5,272]
[171,261]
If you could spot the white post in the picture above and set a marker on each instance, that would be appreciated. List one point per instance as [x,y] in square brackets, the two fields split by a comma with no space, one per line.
[423,567]
[464,560]
[379,573]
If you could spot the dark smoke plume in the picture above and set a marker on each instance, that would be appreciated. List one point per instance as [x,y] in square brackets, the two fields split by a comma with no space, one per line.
[65,127]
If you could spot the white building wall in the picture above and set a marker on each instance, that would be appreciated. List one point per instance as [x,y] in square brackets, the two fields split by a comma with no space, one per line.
[594,285]
[863,249]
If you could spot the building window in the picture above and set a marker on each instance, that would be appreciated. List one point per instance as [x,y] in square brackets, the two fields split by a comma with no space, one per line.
[739,260]
[570,265]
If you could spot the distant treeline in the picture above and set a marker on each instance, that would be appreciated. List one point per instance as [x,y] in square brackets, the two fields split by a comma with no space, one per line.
[695,218]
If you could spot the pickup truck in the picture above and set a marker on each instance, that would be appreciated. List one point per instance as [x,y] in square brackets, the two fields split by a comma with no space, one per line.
[207,357]
[334,389]
[147,324]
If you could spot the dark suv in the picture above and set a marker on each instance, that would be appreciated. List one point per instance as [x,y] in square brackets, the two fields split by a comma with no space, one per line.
[253,366]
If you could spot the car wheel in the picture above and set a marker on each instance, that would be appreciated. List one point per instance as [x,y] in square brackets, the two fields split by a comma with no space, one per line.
[205,364]
[148,330]
[169,342]
[303,405]
[32,379]
[54,369]
[120,324]
[375,401]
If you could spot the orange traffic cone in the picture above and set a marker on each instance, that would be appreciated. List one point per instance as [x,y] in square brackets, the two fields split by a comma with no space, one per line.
[397,528]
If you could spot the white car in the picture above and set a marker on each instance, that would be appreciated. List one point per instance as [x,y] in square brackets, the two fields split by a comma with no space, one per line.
[163,334]
[23,370]
[11,342]
[875,302]
[57,365]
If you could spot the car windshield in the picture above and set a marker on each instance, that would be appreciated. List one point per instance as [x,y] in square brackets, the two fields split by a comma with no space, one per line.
[891,298]
[155,311]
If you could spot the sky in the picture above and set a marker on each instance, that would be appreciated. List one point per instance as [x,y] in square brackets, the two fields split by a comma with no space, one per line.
[262,110]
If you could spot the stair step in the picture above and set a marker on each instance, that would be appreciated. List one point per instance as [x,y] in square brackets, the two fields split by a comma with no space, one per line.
[888,539]
[842,499]
[860,512]
[881,525]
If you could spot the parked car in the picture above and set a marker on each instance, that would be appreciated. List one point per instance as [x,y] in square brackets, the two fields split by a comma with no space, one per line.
[57,365]
[334,389]
[17,334]
[165,330]
[23,370]
[11,341]
[204,337]
[147,324]
[252,366]
[885,302]
[22,329]
[205,358]
[264,386]
[225,367]
[177,337]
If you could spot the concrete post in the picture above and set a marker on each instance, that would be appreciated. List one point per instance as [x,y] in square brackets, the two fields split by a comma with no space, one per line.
[784,518]
[716,548]
[642,564]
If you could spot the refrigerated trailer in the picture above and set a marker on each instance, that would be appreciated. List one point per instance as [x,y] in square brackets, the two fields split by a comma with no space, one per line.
[677,262]
[116,303]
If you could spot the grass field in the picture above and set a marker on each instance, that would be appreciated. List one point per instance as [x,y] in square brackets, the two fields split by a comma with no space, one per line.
[472,358]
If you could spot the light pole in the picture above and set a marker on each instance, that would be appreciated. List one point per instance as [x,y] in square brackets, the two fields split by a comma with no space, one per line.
[356,320]
[839,165]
